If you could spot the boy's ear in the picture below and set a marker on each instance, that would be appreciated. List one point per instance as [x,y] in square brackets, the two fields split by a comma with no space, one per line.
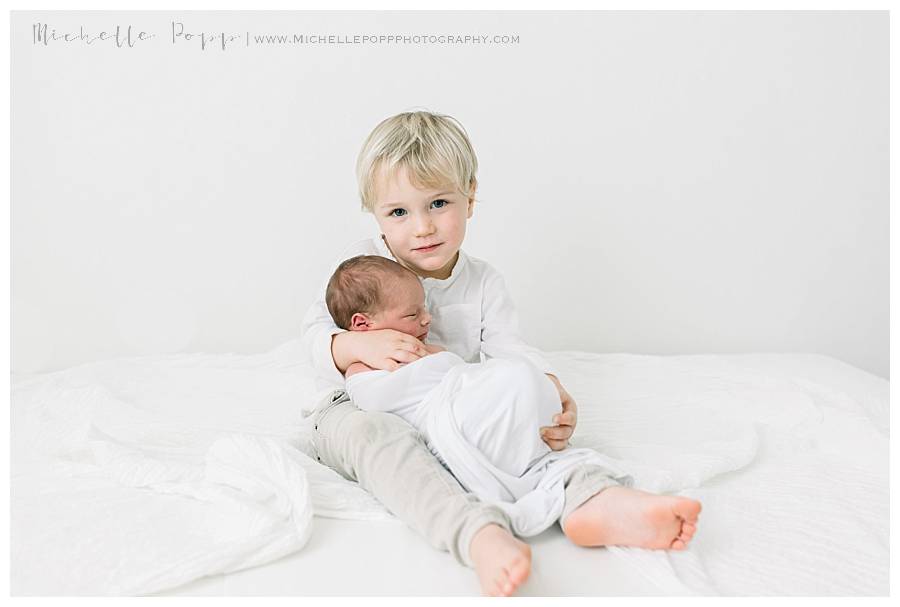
[472,198]
[359,322]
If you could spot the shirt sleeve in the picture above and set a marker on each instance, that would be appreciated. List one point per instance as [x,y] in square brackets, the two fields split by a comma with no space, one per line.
[316,332]
[318,327]
[500,336]
[375,390]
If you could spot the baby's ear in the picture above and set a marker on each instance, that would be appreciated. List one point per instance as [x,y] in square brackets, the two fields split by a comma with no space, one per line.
[359,322]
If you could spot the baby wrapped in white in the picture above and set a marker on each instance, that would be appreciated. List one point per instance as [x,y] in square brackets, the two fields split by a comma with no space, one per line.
[482,421]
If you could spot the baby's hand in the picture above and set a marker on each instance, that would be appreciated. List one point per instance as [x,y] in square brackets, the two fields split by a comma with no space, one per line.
[387,349]
[434,348]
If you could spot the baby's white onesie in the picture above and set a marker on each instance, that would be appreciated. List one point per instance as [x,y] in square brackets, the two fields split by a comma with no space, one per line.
[482,421]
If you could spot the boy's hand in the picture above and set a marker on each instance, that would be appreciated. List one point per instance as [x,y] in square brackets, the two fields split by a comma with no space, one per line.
[434,348]
[379,349]
[557,437]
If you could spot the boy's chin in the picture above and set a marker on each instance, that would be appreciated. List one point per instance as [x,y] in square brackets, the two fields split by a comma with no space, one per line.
[427,265]
[435,263]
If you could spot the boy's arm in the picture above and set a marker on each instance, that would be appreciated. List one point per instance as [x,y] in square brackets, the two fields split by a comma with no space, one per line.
[358,367]
[331,350]
[319,334]
[557,437]
[317,331]
[500,338]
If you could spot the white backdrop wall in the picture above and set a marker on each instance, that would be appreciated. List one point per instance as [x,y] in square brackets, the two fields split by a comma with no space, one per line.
[651,182]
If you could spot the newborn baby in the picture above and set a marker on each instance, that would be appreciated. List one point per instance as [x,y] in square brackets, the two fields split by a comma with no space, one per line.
[482,420]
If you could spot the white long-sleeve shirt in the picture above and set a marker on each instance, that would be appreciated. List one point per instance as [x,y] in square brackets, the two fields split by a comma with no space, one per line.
[473,316]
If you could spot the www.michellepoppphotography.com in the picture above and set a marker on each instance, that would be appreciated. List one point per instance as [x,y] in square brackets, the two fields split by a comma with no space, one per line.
[128,37]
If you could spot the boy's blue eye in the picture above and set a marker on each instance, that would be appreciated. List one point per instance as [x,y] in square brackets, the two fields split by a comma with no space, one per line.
[442,204]
[392,213]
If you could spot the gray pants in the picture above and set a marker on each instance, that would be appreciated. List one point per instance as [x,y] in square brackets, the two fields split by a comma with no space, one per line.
[390,460]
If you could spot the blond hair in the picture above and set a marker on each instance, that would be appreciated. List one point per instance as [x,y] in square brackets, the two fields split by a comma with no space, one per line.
[434,149]
[363,284]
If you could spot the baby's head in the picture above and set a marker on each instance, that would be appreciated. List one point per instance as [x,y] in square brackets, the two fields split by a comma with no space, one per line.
[369,292]
[416,175]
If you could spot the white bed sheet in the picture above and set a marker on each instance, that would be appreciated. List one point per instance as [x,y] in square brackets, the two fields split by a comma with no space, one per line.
[137,476]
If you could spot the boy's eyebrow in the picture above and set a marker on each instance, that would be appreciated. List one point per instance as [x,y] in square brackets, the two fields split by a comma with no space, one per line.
[390,205]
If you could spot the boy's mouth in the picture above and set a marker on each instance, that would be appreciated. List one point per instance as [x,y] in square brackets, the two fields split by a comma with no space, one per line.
[429,248]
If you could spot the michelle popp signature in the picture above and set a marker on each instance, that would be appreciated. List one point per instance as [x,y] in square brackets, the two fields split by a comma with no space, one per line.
[128,36]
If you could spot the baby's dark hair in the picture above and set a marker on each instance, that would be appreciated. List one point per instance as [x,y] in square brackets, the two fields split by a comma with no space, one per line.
[360,284]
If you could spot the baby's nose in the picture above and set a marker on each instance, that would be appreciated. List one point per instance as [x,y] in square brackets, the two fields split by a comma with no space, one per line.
[426,320]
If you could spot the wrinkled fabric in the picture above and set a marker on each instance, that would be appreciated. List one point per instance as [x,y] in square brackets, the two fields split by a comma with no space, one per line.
[787,452]
[482,420]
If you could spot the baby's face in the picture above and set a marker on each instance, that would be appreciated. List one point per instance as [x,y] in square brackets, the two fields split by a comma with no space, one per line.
[406,310]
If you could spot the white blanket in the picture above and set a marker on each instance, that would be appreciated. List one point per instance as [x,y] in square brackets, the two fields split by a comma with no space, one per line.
[133,476]
[482,420]
[136,475]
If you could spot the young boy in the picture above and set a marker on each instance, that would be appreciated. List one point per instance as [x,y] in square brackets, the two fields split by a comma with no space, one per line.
[480,419]
[416,174]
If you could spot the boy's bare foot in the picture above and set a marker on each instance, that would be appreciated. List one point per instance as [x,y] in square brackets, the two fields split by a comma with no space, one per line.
[501,561]
[620,516]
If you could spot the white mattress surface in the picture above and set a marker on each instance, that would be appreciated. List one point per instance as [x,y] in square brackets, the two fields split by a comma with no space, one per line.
[186,474]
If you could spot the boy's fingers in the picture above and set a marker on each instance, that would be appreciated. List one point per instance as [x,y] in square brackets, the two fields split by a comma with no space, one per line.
[399,355]
[564,419]
[563,433]
[556,433]
[415,347]
[556,445]
[405,356]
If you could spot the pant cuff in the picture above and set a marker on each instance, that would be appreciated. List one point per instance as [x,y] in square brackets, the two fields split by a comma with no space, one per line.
[489,516]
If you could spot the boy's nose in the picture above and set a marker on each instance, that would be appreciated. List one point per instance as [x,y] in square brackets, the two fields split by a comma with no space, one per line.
[424,227]
[426,320]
